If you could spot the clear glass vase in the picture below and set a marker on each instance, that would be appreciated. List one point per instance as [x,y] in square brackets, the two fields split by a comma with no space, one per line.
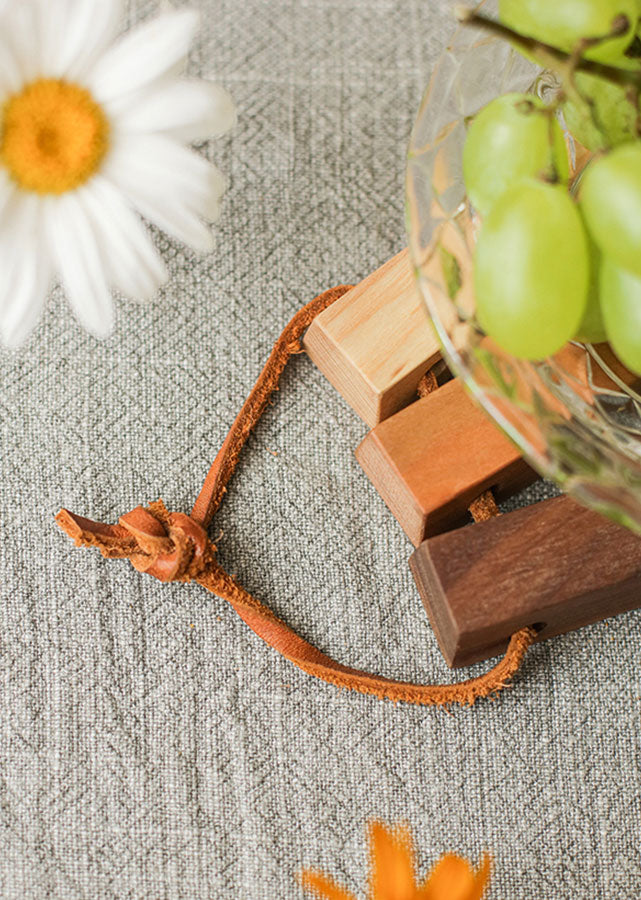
[576,416]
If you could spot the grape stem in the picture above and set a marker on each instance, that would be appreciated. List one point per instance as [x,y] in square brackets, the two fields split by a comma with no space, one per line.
[551,57]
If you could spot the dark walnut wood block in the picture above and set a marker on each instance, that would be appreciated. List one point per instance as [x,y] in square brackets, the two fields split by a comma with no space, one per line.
[432,459]
[555,565]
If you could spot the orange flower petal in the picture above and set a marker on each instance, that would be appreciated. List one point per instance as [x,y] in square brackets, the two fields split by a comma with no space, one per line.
[452,878]
[323,886]
[482,878]
[392,873]
[392,864]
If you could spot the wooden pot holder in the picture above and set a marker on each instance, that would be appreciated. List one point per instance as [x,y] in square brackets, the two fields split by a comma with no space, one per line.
[476,604]
[175,547]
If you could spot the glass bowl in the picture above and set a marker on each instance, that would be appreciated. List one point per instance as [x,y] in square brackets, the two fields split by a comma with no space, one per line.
[576,417]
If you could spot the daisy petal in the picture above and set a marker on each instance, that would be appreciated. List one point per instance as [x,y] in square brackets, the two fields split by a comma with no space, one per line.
[24,308]
[143,55]
[10,75]
[25,267]
[51,31]
[188,110]
[18,31]
[7,190]
[131,261]
[86,35]
[155,164]
[172,218]
[18,222]
[19,218]
[78,259]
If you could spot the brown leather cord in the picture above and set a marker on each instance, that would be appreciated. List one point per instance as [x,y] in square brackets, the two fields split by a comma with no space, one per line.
[175,547]
[484,507]
[427,384]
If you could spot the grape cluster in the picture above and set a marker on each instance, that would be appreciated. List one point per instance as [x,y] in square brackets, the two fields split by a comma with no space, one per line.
[559,258]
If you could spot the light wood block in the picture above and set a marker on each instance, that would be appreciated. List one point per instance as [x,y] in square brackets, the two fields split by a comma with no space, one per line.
[555,565]
[376,342]
[432,459]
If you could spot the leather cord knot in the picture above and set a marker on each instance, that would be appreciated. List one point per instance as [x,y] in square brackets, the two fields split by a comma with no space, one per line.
[173,546]
[169,546]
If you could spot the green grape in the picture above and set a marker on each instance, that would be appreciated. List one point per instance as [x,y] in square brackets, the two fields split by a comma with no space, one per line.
[512,137]
[611,203]
[532,270]
[621,306]
[611,120]
[563,23]
[592,330]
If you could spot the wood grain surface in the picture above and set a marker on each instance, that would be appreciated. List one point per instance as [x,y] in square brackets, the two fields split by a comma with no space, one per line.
[376,342]
[429,461]
[555,565]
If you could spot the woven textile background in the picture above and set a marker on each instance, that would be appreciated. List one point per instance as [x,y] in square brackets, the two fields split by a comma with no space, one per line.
[150,745]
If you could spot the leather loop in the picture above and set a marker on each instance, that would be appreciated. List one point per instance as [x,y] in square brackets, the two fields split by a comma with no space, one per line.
[175,547]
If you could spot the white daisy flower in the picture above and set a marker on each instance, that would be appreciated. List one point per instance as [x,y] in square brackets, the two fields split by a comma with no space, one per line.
[92,133]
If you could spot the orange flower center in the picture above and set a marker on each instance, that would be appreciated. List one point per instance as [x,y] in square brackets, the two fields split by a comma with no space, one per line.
[53,136]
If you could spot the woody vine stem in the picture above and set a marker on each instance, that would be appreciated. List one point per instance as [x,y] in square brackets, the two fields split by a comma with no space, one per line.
[566,65]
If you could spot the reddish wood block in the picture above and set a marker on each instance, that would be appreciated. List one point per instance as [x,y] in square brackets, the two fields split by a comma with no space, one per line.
[376,342]
[432,459]
[555,565]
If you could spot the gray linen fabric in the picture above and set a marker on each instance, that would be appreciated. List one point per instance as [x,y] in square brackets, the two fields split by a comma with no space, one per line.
[150,745]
